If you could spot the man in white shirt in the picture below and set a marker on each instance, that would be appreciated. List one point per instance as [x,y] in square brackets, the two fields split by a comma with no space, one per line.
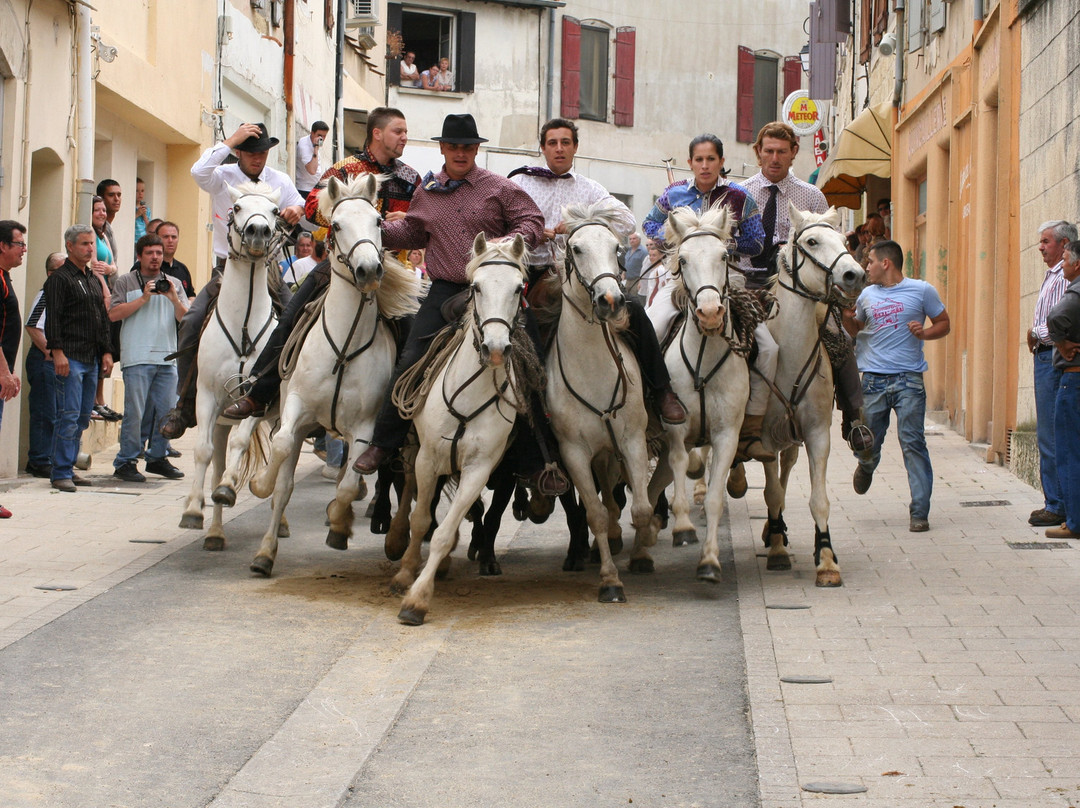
[554,187]
[252,144]
[308,166]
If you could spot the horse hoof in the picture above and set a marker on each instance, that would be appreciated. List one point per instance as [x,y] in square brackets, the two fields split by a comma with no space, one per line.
[262,565]
[828,578]
[612,594]
[411,617]
[214,544]
[736,482]
[779,562]
[709,573]
[397,588]
[395,546]
[642,565]
[572,564]
[490,568]
[520,512]
[473,549]
[681,538]
[283,531]
[191,521]
[224,495]
[380,525]
[615,544]
[336,540]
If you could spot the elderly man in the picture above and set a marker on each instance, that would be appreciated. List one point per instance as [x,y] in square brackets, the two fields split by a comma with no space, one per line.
[551,191]
[449,209]
[1053,236]
[77,334]
[252,143]
[1063,326]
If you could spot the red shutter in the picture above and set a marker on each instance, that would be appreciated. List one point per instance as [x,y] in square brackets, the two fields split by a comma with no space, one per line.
[792,75]
[744,115]
[570,93]
[625,45]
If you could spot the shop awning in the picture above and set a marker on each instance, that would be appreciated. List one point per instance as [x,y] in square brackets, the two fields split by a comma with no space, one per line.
[863,149]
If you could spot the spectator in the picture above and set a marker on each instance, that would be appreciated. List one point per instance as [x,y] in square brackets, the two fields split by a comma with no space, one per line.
[305,244]
[308,166]
[104,267]
[301,266]
[153,225]
[77,334]
[654,276]
[429,79]
[169,233]
[445,80]
[889,325]
[1063,326]
[42,379]
[12,251]
[884,209]
[415,259]
[409,72]
[149,303]
[109,192]
[1053,237]
[634,262]
[142,210]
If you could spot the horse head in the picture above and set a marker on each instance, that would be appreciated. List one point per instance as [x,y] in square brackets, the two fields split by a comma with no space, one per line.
[496,272]
[253,220]
[354,240]
[592,257]
[701,263]
[816,240]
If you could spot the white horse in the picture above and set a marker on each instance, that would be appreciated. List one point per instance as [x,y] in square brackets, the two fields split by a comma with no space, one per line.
[594,386]
[236,333]
[343,369]
[465,422]
[708,376]
[816,272]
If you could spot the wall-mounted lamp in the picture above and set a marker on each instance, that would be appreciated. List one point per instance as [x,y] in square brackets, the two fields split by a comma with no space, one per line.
[804,58]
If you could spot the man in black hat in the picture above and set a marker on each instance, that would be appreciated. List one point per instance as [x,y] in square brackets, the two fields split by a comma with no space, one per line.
[251,143]
[447,212]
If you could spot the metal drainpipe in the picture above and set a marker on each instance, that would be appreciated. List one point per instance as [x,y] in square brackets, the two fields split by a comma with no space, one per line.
[339,84]
[901,42]
[84,144]
[287,32]
[978,15]
[551,62]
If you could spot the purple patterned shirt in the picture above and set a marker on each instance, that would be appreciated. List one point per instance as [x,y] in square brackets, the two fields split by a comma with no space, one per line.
[446,223]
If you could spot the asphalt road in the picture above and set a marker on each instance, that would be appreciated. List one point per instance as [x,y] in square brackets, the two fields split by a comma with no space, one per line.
[196,683]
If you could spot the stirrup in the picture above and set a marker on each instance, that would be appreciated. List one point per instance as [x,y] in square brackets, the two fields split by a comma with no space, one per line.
[551,481]
[860,438]
[237,386]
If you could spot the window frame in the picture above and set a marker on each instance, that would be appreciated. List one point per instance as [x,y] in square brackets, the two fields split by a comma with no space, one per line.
[597,76]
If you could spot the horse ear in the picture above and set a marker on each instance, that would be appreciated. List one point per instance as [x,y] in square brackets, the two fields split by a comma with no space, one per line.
[235,194]
[832,217]
[479,245]
[517,249]
[795,215]
[370,187]
[676,225]
[335,188]
[274,196]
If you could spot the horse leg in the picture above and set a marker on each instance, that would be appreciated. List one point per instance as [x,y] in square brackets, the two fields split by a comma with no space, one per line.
[204,453]
[577,551]
[416,604]
[682,532]
[580,470]
[419,522]
[380,504]
[701,486]
[492,522]
[293,414]
[215,536]
[645,537]
[736,481]
[397,537]
[775,532]
[825,563]
[521,502]
[237,445]
[263,563]
[725,443]
[340,512]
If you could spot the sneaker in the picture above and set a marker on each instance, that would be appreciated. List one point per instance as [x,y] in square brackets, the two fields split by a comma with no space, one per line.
[4,513]
[164,468]
[918,525]
[129,473]
[862,479]
[1045,518]
[1061,532]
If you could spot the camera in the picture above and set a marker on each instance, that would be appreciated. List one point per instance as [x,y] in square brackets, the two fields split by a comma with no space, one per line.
[162,286]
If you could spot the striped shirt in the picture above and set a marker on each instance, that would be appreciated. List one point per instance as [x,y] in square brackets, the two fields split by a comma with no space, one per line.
[1053,287]
[445,223]
[36,318]
[395,194]
[749,233]
[803,195]
[77,324]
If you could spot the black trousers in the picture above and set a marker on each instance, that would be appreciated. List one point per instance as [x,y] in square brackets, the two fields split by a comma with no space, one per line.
[268,379]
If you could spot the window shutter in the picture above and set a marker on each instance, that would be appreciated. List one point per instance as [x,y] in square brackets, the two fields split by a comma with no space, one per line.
[866,18]
[393,23]
[570,90]
[792,75]
[744,113]
[881,17]
[916,26]
[937,16]
[466,52]
[625,46]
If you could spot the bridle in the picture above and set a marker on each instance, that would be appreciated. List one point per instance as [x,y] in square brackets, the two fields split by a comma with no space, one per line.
[799,259]
[233,229]
[571,269]
[332,245]
[676,272]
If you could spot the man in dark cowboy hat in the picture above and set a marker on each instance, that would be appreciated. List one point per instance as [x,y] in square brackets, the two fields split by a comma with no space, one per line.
[447,212]
[251,143]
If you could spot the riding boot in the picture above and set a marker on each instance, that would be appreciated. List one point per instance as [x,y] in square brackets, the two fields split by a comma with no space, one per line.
[854,430]
[671,409]
[849,398]
[179,419]
[750,445]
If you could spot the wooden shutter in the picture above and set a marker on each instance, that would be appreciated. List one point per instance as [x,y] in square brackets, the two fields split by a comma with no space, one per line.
[881,18]
[570,90]
[792,75]
[866,20]
[466,52]
[625,46]
[393,23]
[744,111]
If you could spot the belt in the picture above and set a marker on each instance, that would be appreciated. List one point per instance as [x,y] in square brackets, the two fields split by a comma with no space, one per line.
[1073,369]
[1040,348]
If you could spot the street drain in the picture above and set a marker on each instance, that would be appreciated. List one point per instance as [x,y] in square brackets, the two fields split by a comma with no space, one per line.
[834,788]
[807,680]
[57,588]
[1039,545]
[985,503]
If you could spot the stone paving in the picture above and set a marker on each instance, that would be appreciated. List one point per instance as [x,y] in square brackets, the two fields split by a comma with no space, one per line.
[954,655]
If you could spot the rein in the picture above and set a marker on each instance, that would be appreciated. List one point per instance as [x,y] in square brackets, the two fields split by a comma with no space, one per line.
[331,242]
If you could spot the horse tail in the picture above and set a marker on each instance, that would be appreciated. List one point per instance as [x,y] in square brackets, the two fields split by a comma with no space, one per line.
[255,456]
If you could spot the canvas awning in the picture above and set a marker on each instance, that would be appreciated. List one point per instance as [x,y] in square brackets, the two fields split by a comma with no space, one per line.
[864,149]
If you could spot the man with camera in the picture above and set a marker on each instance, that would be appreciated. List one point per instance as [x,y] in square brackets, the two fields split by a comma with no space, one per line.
[150,304]
[308,167]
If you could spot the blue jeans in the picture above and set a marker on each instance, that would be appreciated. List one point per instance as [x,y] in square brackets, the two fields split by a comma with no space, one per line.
[42,400]
[74,403]
[1067,429]
[904,393]
[1047,381]
[149,391]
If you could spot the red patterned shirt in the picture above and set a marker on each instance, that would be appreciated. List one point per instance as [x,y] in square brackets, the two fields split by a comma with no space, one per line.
[394,195]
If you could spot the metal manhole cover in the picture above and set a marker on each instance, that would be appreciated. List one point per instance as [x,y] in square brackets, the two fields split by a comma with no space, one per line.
[985,503]
[1039,545]
[57,587]
[834,788]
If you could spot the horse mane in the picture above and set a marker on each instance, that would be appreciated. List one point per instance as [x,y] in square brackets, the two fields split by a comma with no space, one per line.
[715,219]
[500,249]
[352,191]
[255,187]
[599,212]
[399,290]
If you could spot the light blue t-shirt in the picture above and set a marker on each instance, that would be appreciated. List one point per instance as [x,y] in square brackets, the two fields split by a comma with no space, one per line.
[885,345]
[147,335]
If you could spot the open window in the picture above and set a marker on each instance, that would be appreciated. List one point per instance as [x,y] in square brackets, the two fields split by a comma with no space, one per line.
[765,79]
[433,35]
[587,67]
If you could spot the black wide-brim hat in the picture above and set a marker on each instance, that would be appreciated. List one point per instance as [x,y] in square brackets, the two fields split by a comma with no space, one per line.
[460,129]
[260,143]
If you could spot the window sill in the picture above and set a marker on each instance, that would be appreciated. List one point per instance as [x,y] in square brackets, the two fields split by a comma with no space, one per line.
[431,93]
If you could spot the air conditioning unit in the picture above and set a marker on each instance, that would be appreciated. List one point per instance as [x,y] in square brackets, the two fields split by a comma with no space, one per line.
[365,36]
[361,12]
